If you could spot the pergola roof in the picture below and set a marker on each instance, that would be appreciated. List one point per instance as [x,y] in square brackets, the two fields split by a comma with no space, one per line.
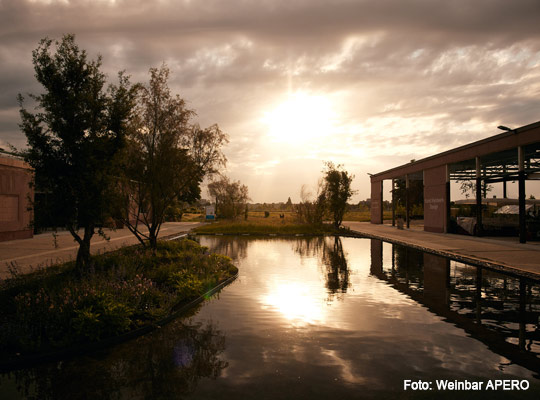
[498,157]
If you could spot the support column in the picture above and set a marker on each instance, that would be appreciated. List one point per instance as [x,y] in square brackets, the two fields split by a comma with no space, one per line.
[447,195]
[376,202]
[505,196]
[381,210]
[436,197]
[521,188]
[393,202]
[407,205]
[479,228]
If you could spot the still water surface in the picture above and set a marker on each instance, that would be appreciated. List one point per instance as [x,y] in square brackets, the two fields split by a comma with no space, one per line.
[320,318]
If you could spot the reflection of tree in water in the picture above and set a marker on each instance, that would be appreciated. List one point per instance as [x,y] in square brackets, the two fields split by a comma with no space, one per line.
[309,247]
[233,247]
[337,269]
[163,365]
[330,251]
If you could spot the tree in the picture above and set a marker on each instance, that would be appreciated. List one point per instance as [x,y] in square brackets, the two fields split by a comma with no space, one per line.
[167,158]
[415,197]
[289,204]
[337,189]
[467,187]
[75,137]
[231,197]
[311,208]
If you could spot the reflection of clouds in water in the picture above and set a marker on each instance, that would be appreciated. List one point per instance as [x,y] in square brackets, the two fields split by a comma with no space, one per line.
[346,367]
[372,340]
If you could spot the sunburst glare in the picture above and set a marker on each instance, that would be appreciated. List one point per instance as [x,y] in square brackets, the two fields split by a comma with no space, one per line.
[300,117]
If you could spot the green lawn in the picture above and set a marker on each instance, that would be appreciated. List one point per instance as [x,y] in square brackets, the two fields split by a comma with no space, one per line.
[257,224]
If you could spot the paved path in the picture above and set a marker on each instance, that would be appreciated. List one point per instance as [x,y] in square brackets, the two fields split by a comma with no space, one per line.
[505,254]
[28,254]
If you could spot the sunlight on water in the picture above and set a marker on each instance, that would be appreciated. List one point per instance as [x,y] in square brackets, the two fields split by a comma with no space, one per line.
[319,318]
[296,301]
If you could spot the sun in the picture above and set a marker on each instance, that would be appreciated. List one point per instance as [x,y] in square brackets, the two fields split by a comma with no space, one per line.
[299,118]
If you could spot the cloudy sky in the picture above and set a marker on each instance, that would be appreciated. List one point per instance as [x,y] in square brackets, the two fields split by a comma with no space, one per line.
[369,84]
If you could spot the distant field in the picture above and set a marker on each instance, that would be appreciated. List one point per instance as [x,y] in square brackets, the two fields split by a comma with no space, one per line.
[364,216]
[258,224]
[252,216]
[258,217]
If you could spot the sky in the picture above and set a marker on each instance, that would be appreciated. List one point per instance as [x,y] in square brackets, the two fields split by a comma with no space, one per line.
[366,84]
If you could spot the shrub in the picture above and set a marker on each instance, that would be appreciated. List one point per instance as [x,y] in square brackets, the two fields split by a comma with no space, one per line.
[186,284]
[127,289]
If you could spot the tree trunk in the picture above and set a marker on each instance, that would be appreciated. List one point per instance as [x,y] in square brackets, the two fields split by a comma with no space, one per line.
[152,238]
[83,255]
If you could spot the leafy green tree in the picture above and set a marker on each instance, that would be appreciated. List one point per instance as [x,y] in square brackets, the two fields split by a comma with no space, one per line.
[167,157]
[337,189]
[75,136]
[231,197]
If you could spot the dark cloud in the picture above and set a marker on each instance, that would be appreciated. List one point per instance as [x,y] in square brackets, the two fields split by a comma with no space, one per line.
[427,72]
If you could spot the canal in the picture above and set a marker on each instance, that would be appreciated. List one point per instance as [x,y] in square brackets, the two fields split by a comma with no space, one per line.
[321,318]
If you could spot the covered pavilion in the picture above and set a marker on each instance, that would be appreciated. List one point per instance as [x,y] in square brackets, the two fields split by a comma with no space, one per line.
[513,155]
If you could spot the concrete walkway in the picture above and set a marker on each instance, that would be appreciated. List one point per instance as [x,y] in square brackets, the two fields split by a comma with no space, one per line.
[40,251]
[504,254]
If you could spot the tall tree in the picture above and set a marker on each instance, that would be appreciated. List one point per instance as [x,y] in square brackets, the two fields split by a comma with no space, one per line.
[75,136]
[231,197]
[167,157]
[337,188]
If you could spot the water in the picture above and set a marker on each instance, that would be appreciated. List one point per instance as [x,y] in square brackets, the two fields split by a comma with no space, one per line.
[321,318]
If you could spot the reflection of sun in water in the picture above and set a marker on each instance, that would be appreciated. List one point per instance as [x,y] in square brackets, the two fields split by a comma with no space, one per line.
[299,118]
[296,302]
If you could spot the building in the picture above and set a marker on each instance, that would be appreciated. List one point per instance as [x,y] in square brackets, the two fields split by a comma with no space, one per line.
[513,155]
[16,198]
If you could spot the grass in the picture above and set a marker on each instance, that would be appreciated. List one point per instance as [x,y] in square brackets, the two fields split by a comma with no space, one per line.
[257,224]
[363,216]
[255,216]
[127,289]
